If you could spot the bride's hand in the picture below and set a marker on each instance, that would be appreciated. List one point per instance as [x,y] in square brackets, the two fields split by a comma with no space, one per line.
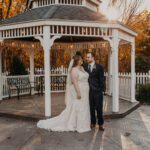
[79,96]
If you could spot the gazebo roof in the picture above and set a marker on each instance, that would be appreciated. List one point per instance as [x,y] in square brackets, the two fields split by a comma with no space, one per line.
[78,19]
[57,12]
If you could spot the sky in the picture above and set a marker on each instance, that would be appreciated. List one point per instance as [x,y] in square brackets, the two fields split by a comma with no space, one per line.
[113,13]
[146,5]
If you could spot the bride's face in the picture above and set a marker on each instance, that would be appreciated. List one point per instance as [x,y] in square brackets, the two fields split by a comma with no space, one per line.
[80,62]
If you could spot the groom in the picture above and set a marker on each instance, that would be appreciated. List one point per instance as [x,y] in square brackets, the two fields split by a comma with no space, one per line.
[96,83]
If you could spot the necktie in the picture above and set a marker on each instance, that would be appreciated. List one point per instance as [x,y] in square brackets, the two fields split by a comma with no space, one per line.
[89,68]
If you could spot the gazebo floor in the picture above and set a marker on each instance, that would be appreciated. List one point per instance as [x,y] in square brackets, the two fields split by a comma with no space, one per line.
[32,107]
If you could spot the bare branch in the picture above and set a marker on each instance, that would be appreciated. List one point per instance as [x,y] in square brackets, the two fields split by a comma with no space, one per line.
[128,9]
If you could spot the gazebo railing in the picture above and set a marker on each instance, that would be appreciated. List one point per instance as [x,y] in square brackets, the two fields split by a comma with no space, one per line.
[14,92]
[125,85]
[41,3]
[58,83]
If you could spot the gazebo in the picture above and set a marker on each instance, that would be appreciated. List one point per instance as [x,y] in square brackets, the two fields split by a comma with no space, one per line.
[52,21]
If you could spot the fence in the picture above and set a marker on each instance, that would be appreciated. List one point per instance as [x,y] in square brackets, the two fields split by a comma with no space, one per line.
[58,82]
[40,71]
[58,70]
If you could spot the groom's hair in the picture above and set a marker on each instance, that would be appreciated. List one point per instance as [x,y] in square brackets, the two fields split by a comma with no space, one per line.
[78,53]
[92,53]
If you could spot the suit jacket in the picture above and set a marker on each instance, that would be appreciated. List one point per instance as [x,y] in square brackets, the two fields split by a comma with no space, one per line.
[96,77]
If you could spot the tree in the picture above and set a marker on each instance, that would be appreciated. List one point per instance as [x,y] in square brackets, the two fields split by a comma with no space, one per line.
[9,7]
[17,67]
[143,47]
[127,8]
[140,22]
[12,7]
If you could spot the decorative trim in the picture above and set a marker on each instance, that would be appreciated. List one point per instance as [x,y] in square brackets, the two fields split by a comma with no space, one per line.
[57,30]
[69,23]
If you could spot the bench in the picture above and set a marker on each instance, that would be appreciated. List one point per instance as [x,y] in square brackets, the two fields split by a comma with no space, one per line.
[20,84]
[58,83]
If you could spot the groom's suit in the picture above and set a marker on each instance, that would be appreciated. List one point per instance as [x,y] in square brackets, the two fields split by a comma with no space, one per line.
[96,83]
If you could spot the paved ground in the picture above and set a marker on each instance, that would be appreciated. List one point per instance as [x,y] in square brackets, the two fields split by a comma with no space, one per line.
[33,106]
[129,133]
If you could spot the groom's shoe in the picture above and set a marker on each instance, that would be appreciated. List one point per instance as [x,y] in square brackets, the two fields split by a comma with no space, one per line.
[92,126]
[101,128]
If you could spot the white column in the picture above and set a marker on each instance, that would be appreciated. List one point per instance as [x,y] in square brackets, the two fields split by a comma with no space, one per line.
[84,2]
[47,43]
[1,86]
[31,52]
[56,2]
[47,47]
[35,4]
[115,74]
[133,78]
[110,72]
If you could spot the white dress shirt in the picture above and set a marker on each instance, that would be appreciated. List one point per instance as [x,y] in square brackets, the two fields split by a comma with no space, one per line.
[92,65]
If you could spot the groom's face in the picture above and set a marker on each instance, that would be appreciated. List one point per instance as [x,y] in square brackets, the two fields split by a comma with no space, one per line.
[89,58]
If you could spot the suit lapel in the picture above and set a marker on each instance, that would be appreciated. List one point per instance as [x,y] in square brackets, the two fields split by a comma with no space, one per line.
[87,69]
[94,68]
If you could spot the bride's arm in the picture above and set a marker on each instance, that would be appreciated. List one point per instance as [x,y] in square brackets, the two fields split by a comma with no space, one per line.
[74,78]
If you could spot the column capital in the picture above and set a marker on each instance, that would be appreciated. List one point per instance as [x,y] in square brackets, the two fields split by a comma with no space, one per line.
[109,40]
[132,43]
[47,42]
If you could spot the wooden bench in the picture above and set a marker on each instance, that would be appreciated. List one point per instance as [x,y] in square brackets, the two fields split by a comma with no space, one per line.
[20,84]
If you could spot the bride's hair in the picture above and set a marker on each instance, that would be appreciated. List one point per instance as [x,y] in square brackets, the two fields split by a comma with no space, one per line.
[76,59]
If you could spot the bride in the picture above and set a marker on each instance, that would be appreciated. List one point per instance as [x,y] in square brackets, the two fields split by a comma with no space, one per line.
[76,115]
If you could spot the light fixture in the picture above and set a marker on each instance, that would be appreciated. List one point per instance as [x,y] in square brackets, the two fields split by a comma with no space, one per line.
[32,45]
[71,46]
[91,46]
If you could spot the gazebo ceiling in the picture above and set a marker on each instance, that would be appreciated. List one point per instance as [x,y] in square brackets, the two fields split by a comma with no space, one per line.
[67,39]
[57,12]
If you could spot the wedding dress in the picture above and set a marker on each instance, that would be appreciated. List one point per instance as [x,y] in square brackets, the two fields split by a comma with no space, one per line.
[76,115]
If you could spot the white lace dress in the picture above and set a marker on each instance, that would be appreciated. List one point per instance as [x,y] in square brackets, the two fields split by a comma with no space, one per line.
[76,115]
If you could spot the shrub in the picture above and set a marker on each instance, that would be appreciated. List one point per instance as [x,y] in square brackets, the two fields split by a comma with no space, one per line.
[143,93]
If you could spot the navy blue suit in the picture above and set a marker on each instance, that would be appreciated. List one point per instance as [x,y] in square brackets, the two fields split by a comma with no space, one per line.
[96,83]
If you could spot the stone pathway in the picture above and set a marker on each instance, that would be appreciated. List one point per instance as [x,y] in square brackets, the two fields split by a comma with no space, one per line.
[129,133]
